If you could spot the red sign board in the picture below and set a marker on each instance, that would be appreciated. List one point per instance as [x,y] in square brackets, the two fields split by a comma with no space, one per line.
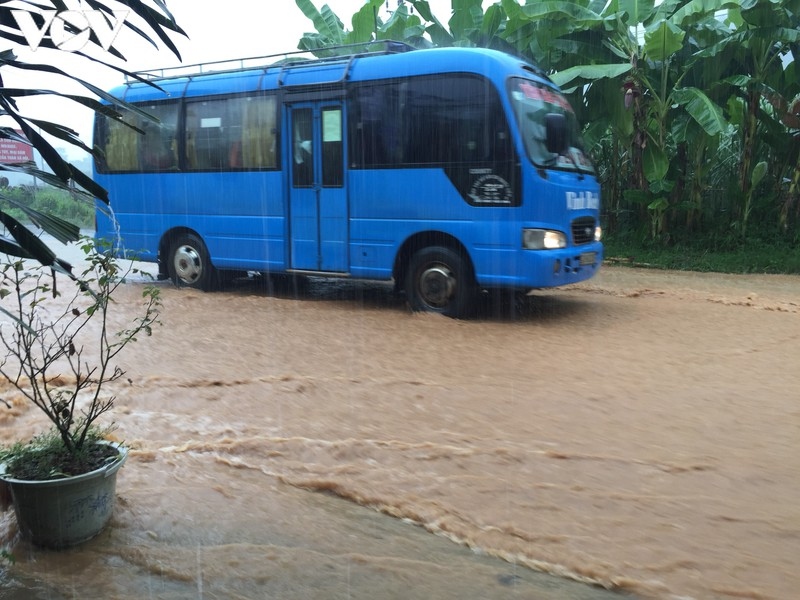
[12,152]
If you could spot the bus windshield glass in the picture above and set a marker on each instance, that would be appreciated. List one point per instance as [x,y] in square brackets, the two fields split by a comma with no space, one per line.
[532,101]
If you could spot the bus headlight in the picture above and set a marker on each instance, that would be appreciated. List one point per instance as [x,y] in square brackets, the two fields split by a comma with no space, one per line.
[598,233]
[543,239]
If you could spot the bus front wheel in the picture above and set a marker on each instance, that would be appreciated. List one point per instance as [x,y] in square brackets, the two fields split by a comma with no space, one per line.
[440,280]
[189,264]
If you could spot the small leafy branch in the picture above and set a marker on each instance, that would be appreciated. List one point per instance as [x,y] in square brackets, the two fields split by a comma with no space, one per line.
[47,338]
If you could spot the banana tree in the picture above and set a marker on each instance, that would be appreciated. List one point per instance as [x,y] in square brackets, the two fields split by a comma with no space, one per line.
[764,50]
[790,197]
[367,26]
[636,55]
[413,22]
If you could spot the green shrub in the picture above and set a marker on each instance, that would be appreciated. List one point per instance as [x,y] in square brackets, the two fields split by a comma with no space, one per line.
[49,200]
[713,253]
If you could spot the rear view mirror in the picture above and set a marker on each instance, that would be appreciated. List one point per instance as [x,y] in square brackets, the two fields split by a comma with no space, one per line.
[556,132]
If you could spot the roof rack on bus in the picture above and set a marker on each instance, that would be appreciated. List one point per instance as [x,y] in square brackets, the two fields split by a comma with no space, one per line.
[284,60]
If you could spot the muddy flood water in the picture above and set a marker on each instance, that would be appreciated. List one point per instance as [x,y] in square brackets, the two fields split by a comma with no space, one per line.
[638,434]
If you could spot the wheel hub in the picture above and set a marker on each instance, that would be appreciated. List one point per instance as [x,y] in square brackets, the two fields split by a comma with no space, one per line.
[188,266]
[437,285]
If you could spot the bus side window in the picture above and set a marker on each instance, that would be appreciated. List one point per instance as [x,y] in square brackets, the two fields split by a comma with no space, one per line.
[154,155]
[231,133]
[207,145]
[158,149]
[421,121]
[332,165]
[374,140]
[259,132]
[302,148]
[121,145]
[372,149]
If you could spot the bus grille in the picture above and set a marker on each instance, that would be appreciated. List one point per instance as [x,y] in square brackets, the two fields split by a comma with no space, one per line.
[583,230]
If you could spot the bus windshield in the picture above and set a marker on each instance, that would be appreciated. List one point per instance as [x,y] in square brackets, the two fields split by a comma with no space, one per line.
[532,101]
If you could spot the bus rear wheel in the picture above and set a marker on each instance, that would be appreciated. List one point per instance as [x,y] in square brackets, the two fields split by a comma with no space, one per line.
[440,280]
[189,264]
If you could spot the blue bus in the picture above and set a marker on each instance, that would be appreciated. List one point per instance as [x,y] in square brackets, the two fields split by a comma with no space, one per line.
[448,170]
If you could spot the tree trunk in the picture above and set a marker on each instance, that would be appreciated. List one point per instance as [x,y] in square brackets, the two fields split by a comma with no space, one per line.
[748,152]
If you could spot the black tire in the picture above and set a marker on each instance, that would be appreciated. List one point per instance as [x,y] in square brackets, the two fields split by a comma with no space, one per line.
[189,264]
[440,280]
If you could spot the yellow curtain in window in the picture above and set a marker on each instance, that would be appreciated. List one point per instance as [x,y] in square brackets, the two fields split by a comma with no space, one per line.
[122,146]
[258,132]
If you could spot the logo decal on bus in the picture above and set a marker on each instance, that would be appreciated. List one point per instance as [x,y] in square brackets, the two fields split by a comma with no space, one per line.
[583,200]
[490,188]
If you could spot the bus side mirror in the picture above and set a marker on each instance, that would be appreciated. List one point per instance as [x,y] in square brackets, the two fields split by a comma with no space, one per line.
[556,132]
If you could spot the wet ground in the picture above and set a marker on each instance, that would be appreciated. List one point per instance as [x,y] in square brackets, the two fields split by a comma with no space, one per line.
[639,432]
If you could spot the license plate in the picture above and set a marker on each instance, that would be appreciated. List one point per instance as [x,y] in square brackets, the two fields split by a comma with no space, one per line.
[588,258]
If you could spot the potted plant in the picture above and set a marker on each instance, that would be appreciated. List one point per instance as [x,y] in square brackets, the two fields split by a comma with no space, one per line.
[58,353]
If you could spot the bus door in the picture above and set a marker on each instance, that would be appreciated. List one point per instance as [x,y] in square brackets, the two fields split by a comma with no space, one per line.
[318,215]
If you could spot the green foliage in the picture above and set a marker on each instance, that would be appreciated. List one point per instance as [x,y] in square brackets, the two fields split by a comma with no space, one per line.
[54,201]
[717,253]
